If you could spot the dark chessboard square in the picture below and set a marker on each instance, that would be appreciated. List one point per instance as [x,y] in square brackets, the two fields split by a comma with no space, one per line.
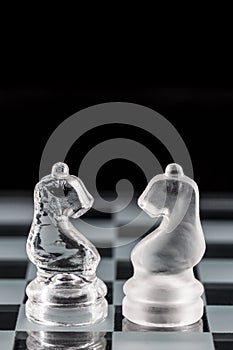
[118,317]
[108,337]
[13,269]
[223,341]
[219,251]
[14,230]
[219,294]
[20,341]
[109,293]
[105,252]
[8,316]
[206,327]
[96,214]
[124,270]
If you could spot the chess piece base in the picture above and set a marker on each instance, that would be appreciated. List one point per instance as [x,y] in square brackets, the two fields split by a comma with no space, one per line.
[66,300]
[163,301]
[128,326]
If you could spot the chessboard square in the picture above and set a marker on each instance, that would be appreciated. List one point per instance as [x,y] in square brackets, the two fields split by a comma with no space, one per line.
[97,232]
[109,295]
[162,341]
[16,210]
[133,232]
[223,341]
[134,216]
[219,294]
[20,341]
[219,251]
[12,292]
[128,214]
[206,327]
[93,214]
[7,340]
[8,316]
[14,230]
[105,252]
[216,271]
[220,345]
[31,271]
[118,318]
[118,293]
[218,231]
[106,269]
[123,252]
[220,318]
[13,269]
[13,248]
[124,270]
[23,324]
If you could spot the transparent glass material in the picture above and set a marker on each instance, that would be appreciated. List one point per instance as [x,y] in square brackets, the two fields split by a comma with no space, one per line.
[66,290]
[66,340]
[163,291]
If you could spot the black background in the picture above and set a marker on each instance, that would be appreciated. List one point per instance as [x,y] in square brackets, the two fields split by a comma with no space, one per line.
[199,103]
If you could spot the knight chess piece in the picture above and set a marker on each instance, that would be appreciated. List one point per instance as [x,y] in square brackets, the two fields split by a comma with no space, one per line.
[163,291]
[66,290]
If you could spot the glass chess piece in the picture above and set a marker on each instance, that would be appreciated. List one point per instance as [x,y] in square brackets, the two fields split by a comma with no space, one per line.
[66,290]
[41,340]
[163,291]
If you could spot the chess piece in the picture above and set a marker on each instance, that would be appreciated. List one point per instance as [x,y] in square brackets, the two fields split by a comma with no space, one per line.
[66,290]
[163,291]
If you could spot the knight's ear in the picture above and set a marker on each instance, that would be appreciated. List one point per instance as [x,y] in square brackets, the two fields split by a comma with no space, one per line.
[153,199]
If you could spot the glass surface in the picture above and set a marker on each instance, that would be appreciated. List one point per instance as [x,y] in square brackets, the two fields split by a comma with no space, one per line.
[66,340]
[66,290]
[163,291]
[128,326]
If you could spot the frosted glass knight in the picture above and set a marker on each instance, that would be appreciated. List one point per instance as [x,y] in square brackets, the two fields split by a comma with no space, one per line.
[163,291]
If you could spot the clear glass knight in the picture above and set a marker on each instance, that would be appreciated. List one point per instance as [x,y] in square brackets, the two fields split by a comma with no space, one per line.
[66,290]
